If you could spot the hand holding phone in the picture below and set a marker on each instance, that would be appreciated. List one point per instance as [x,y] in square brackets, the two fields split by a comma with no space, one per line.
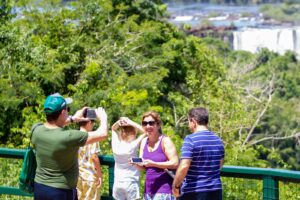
[136,160]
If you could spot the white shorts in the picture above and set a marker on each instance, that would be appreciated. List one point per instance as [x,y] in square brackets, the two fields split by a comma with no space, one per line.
[126,190]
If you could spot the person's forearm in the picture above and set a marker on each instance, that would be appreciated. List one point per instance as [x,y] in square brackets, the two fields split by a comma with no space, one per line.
[170,164]
[103,129]
[139,167]
[98,169]
[221,163]
[72,119]
[99,135]
[180,175]
[138,126]
[77,117]
[69,120]
[115,126]
[97,165]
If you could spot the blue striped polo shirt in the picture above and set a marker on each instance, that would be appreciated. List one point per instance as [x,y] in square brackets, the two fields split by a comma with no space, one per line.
[205,149]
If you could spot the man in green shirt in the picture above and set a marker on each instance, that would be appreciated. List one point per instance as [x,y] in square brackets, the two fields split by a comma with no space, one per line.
[57,149]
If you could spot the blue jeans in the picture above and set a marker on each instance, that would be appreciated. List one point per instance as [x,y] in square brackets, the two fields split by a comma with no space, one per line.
[44,192]
[212,195]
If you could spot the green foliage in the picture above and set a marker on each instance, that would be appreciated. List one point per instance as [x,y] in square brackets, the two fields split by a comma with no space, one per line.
[235,2]
[121,55]
[10,170]
[286,12]
[243,156]
[143,9]
[263,81]
[98,57]
[6,11]
[252,189]
[291,190]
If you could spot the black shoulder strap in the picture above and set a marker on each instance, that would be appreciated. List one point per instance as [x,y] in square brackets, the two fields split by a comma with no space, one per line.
[33,128]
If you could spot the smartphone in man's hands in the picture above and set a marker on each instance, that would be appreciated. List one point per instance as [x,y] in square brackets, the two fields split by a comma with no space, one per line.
[91,114]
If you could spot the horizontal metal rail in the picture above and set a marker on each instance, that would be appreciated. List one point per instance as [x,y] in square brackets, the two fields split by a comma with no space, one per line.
[259,173]
[269,176]
[19,154]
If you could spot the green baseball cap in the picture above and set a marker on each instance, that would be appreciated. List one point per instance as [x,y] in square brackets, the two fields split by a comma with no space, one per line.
[55,102]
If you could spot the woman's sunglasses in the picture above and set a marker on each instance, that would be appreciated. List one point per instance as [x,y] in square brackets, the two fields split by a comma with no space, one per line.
[150,123]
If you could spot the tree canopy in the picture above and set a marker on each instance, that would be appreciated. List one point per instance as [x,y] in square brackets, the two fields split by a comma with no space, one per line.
[126,57]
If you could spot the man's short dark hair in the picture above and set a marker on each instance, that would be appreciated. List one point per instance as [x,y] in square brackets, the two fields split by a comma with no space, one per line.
[55,115]
[199,114]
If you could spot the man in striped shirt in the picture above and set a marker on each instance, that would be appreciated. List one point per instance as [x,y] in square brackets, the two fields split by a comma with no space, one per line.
[202,156]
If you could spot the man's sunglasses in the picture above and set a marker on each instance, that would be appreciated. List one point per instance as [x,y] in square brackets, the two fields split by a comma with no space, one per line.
[68,109]
[150,123]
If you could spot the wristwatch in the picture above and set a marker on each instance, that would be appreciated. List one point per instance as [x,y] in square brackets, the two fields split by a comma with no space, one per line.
[71,118]
[176,187]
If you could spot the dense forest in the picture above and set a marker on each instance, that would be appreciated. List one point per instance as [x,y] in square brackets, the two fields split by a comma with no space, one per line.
[233,2]
[126,57]
[274,11]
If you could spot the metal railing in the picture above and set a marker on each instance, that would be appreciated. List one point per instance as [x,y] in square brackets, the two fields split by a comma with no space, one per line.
[270,177]
[19,154]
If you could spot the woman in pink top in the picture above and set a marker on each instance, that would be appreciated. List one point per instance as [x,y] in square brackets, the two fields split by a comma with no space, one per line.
[158,153]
